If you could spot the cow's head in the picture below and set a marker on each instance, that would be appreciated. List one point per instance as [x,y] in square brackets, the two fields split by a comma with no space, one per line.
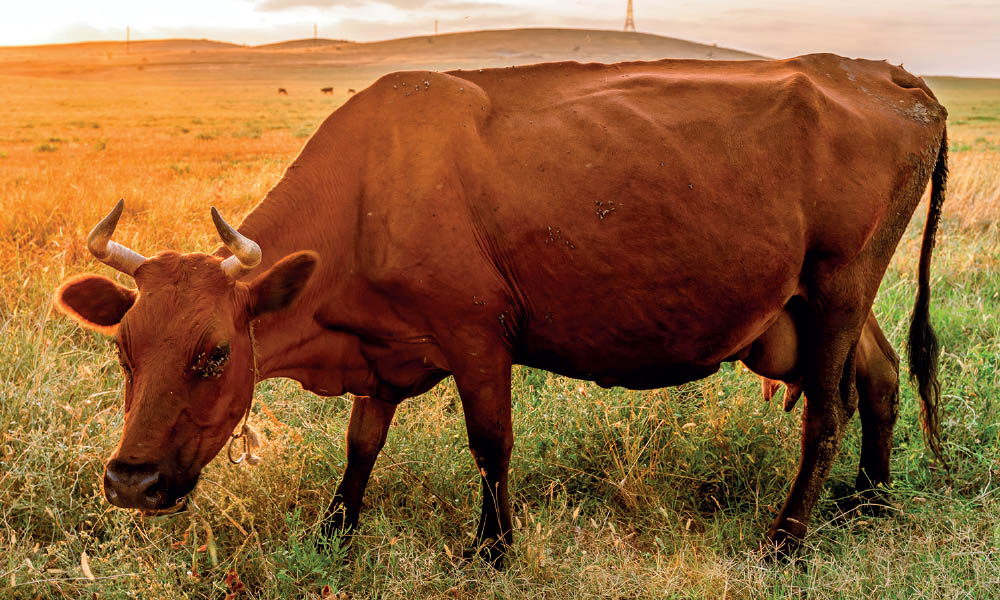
[185,344]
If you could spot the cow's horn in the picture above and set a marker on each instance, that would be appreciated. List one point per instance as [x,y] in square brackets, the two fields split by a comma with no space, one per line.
[109,252]
[246,252]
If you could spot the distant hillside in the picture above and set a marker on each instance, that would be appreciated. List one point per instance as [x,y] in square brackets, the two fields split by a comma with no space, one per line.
[101,47]
[298,44]
[519,46]
[323,60]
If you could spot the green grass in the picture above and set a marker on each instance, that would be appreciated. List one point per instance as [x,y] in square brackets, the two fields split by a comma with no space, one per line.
[616,494]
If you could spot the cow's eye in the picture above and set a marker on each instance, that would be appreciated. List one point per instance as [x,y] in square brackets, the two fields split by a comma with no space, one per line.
[213,364]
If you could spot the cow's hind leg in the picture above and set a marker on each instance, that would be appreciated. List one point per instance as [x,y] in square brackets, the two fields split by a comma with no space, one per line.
[366,433]
[878,406]
[485,393]
[828,353]
[877,380]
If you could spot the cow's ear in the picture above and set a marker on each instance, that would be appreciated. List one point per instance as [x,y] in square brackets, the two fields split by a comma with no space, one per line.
[96,302]
[280,285]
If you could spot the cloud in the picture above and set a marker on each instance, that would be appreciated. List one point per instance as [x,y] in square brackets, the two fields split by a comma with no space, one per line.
[408,5]
[280,5]
[78,32]
[469,6]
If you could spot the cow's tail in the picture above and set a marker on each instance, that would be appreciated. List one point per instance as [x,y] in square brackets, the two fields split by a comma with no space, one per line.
[923,343]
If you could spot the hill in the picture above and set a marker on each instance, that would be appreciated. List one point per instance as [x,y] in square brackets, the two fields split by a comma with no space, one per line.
[520,46]
[303,43]
[322,60]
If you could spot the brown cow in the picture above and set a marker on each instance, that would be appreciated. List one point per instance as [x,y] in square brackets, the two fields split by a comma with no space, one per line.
[282,92]
[327,90]
[635,224]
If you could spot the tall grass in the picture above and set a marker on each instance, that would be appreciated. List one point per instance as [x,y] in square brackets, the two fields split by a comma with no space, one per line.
[617,494]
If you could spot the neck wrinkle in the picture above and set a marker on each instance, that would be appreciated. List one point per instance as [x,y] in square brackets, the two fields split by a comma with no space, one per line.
[314,206]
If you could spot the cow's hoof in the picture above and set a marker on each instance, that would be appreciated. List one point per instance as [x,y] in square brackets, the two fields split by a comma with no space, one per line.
[337,523]
[490,551]
[873,501]
[785,537]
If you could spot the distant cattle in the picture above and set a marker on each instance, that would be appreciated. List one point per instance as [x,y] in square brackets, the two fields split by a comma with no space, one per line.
[351,91]
[327,90]
[695,213]
[282,92]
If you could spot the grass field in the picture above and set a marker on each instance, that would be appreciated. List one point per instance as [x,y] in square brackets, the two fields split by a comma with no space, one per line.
[617,494]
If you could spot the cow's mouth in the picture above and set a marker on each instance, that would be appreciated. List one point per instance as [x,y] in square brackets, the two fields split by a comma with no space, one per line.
[179,506]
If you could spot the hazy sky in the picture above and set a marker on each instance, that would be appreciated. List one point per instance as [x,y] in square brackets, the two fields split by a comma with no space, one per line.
[931,37]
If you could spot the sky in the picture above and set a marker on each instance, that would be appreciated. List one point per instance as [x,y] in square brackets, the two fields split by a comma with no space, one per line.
[930,37]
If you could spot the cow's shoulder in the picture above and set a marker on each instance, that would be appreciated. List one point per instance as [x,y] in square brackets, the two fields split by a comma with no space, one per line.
[407,88]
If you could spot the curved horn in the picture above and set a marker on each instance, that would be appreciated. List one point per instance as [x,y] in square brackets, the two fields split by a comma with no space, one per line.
[112,253]
[246,252]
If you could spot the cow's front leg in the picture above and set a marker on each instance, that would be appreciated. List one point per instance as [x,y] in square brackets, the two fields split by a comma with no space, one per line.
[485,393]
[366,433]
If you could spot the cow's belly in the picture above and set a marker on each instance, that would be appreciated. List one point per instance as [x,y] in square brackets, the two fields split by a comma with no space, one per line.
[644,377]
[660,317]
[641,350]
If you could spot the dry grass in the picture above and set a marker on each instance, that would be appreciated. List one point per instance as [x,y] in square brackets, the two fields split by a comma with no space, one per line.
[617,494]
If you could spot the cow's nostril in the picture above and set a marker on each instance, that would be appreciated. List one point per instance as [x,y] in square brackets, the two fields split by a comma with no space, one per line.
[154,491]
[145,482]
[134,486]
[111,476]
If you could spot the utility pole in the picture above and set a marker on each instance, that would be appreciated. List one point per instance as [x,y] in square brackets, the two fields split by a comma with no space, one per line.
[629,20]
[128,34]
[435,26]
[314,31]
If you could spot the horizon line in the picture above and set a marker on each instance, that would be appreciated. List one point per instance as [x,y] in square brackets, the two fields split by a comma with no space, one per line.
[446,34]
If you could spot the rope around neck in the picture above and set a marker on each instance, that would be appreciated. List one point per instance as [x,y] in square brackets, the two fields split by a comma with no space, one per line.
[251,440]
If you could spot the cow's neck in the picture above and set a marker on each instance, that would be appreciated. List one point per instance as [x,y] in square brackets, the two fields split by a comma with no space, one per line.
[313,207]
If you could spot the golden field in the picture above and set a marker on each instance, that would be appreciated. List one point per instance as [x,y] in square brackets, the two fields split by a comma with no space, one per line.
[617,494]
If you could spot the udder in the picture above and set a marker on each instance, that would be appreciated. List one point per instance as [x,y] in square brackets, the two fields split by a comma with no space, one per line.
[775,354]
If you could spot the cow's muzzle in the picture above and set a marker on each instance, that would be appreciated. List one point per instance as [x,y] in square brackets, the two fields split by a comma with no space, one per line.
[141,486]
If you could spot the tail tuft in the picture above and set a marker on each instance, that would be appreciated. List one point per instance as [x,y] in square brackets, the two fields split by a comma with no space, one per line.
[923,343]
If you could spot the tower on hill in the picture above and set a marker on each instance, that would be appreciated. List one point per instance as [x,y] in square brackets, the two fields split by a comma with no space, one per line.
[629,20]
